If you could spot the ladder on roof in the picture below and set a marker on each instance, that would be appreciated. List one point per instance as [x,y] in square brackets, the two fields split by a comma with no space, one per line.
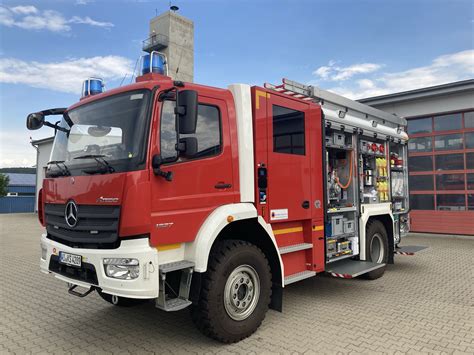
[315,94]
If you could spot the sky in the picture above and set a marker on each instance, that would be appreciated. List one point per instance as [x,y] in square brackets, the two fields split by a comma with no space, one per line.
[355,48]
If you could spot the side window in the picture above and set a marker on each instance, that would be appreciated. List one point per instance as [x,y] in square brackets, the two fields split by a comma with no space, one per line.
[208,131]
[288,131]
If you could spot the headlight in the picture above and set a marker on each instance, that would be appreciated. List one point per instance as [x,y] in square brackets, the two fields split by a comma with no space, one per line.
[122,268]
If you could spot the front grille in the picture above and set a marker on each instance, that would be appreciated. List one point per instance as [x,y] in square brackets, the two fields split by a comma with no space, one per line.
[96,228]
[85,273]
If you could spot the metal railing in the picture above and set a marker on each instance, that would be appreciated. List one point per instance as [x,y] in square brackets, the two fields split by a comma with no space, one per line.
[155,42]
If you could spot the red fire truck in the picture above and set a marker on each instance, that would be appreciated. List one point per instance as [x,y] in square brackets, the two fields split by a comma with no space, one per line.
[217,199]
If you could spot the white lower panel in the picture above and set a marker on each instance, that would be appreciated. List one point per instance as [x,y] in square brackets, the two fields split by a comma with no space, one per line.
[145,286]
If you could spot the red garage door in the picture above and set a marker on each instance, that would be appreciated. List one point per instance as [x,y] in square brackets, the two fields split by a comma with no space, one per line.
[441,165]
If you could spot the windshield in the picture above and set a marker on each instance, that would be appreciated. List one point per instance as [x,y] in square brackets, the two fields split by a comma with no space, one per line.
[109,132]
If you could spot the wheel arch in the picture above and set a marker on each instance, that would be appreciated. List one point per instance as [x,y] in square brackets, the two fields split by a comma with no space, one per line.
[387,221]
[382,213]
[246,226]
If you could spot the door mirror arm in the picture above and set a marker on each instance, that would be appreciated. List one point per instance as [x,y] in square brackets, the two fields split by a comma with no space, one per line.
[156,164]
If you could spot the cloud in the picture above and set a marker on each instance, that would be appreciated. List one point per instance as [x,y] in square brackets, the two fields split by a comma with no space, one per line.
[83,2]
[16,150]
[24,10]
[333,72]
[30,18]
[443,69]
[88,21]
[66,76]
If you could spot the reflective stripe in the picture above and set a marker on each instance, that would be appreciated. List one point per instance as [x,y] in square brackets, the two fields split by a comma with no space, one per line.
[288,230]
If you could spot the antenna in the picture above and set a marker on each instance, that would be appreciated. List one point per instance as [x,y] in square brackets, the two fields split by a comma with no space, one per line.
[181,56]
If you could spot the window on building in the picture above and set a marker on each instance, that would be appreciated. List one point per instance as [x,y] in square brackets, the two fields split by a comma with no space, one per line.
[424,163]
[422,202]
[455,202]
[470,181]
[450,182]
[469,140]
[421,144]
[469,160]
[420,182]
[449,162]
[288,131]
[419,125]
[469,119]
[448,142]
[208,131]
[470,202]
[448,122]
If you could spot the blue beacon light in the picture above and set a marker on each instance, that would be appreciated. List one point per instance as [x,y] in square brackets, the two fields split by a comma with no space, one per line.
[153,63]
[92,86]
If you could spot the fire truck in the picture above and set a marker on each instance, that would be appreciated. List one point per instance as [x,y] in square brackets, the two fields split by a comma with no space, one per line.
[217,199]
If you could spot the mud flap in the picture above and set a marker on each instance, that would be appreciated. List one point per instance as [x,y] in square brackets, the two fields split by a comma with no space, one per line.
[409,249]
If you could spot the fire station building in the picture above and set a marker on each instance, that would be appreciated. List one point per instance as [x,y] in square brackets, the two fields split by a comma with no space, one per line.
[440,154]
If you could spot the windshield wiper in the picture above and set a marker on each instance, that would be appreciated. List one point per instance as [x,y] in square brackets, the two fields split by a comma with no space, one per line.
[63,170]
[99,158]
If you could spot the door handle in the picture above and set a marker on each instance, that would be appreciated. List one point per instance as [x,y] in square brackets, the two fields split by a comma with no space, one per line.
[305,204]
[222,185]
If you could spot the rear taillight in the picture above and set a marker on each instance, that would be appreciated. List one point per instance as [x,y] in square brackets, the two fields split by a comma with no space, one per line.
[40,207]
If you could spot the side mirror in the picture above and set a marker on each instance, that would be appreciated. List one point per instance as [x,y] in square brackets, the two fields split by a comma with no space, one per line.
[187,111]
[35,121]
[188,147]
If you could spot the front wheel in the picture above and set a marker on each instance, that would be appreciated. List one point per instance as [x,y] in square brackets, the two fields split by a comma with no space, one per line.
[376,248]
[235,294]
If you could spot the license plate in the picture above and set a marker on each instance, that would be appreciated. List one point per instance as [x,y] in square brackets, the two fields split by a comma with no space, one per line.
[70,259]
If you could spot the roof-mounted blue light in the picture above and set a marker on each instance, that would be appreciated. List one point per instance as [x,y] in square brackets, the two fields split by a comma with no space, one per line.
[154,62]
[92,86]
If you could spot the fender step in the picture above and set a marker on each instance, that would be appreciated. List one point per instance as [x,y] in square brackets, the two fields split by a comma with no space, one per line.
[299,276]
[409,249]
[295,247]
[348,269]
[181,296]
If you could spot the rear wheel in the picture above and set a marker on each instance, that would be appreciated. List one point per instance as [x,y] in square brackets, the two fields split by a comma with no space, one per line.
[120,301]
[376,248]
[235,292]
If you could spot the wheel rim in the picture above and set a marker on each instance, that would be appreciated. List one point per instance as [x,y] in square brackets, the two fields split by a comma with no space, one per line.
[241,293]
[376,249]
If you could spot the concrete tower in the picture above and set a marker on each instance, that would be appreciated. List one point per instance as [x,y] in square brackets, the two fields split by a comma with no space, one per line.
[173,35]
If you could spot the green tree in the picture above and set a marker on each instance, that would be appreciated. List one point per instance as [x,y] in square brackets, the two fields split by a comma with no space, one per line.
[4,180]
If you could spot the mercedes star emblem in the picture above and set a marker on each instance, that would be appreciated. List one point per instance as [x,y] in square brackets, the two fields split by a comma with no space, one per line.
[70,214]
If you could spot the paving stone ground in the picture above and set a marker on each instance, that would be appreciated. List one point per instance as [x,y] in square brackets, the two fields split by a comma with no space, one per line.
[423,304]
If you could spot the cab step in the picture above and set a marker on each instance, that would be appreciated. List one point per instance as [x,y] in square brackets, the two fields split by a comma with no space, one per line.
[295,247]
[299,276]
[348,269]
[409,249]
[181,299]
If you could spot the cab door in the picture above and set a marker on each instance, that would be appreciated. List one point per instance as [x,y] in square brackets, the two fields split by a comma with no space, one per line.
[200,183]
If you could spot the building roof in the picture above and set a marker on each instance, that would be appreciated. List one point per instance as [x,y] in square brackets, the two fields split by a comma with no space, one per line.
[42,141]
[21,179]
[431,91]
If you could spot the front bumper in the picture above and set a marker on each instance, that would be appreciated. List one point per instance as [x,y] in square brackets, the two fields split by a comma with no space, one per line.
[145,286]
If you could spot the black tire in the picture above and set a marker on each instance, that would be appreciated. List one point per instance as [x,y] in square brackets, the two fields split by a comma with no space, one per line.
[121,301]
[210,314]
[376,230]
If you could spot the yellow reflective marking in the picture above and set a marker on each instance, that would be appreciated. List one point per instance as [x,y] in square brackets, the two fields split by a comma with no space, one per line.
[318,228]
[258,95]
[168,246]
[287,230]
